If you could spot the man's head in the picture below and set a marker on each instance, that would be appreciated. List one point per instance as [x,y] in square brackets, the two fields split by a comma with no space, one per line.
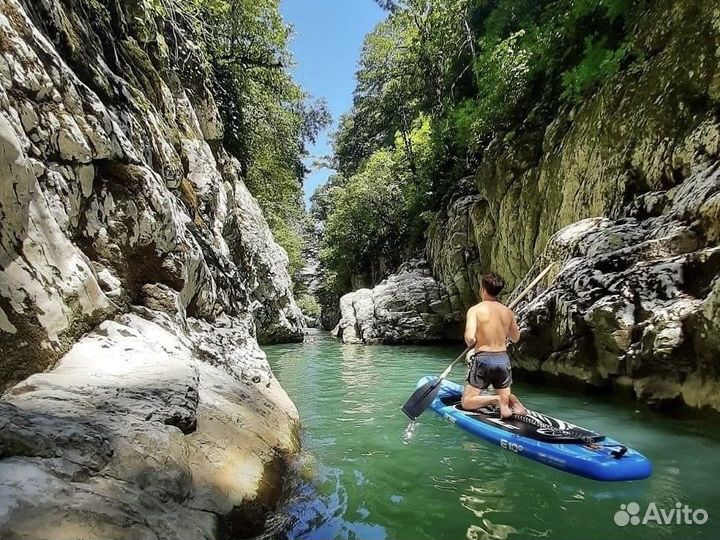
[492,284]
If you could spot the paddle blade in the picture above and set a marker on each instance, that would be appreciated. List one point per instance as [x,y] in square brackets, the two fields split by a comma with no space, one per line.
[421,399]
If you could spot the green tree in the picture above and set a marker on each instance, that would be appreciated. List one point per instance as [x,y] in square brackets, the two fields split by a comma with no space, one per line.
[437,81]
[268,118]
[363,230]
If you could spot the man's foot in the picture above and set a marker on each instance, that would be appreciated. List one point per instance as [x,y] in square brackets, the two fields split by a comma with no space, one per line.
[517,407]
[505,411]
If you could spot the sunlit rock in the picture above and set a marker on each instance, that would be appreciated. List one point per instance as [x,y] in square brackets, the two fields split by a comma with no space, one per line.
[136,274]
[408,307]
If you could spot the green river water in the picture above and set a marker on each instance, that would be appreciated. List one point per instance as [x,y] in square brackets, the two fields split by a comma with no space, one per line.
[365,481]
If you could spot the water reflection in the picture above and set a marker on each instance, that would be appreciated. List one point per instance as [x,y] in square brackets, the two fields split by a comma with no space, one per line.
[489,531]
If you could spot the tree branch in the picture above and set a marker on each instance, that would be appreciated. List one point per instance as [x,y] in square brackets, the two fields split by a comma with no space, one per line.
[254,62]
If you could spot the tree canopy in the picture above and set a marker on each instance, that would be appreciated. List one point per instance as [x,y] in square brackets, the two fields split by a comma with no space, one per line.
[269,119]
[437,81]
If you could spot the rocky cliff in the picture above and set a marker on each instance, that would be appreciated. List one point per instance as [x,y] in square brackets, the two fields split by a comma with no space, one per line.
[640,156]
[137,268]
[648,129]
[635,304]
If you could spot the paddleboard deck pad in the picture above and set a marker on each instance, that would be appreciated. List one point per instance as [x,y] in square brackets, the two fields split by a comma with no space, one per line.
[533,425]
[545,439]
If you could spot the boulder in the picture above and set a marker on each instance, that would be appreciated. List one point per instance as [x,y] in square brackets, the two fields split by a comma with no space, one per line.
[407,307]
[144,429]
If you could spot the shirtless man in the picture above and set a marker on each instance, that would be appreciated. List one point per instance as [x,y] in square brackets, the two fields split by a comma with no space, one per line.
[489,325]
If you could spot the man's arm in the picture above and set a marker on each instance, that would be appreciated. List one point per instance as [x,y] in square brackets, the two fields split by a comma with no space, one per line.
[470,327]
[514,331]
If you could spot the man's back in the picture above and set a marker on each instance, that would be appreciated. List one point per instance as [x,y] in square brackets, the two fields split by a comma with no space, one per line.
[495,323]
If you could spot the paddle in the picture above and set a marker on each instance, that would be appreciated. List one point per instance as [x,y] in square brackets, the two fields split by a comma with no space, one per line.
[424,396]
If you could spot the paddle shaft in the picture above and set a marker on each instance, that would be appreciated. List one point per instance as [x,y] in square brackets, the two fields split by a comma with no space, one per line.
[514,303]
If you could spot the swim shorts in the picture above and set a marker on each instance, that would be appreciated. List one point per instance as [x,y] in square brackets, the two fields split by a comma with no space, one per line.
[490,368]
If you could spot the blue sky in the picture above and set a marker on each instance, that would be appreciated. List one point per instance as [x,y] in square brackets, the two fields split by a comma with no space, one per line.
[327,43]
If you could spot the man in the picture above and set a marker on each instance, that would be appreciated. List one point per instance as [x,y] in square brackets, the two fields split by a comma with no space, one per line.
[489,325]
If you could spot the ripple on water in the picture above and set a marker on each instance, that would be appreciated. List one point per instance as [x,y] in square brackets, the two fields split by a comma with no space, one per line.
[446,482]
[360,479]
[372,481]
[479,507]
[490,531]
[409,432]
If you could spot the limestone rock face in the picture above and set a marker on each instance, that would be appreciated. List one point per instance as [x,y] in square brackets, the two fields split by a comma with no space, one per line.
[408,307]
[629,176]
[635,300]
[106,186]
[137,268]
[264,265]
[647,130]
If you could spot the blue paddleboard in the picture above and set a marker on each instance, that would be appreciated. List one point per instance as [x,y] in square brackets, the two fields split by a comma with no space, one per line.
[544,439]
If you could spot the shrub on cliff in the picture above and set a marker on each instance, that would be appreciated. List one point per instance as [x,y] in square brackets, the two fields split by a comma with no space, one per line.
[268,118]
[466,71]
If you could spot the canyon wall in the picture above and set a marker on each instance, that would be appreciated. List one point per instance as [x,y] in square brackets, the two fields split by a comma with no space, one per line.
[632,300]
[137,274]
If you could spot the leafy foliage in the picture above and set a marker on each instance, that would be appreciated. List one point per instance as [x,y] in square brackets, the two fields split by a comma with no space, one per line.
[268,118]
[370,203]
[309,306]
[599,63]
[437,81]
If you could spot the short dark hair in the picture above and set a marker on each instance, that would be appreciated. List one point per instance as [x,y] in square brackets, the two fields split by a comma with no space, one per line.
[492,283]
